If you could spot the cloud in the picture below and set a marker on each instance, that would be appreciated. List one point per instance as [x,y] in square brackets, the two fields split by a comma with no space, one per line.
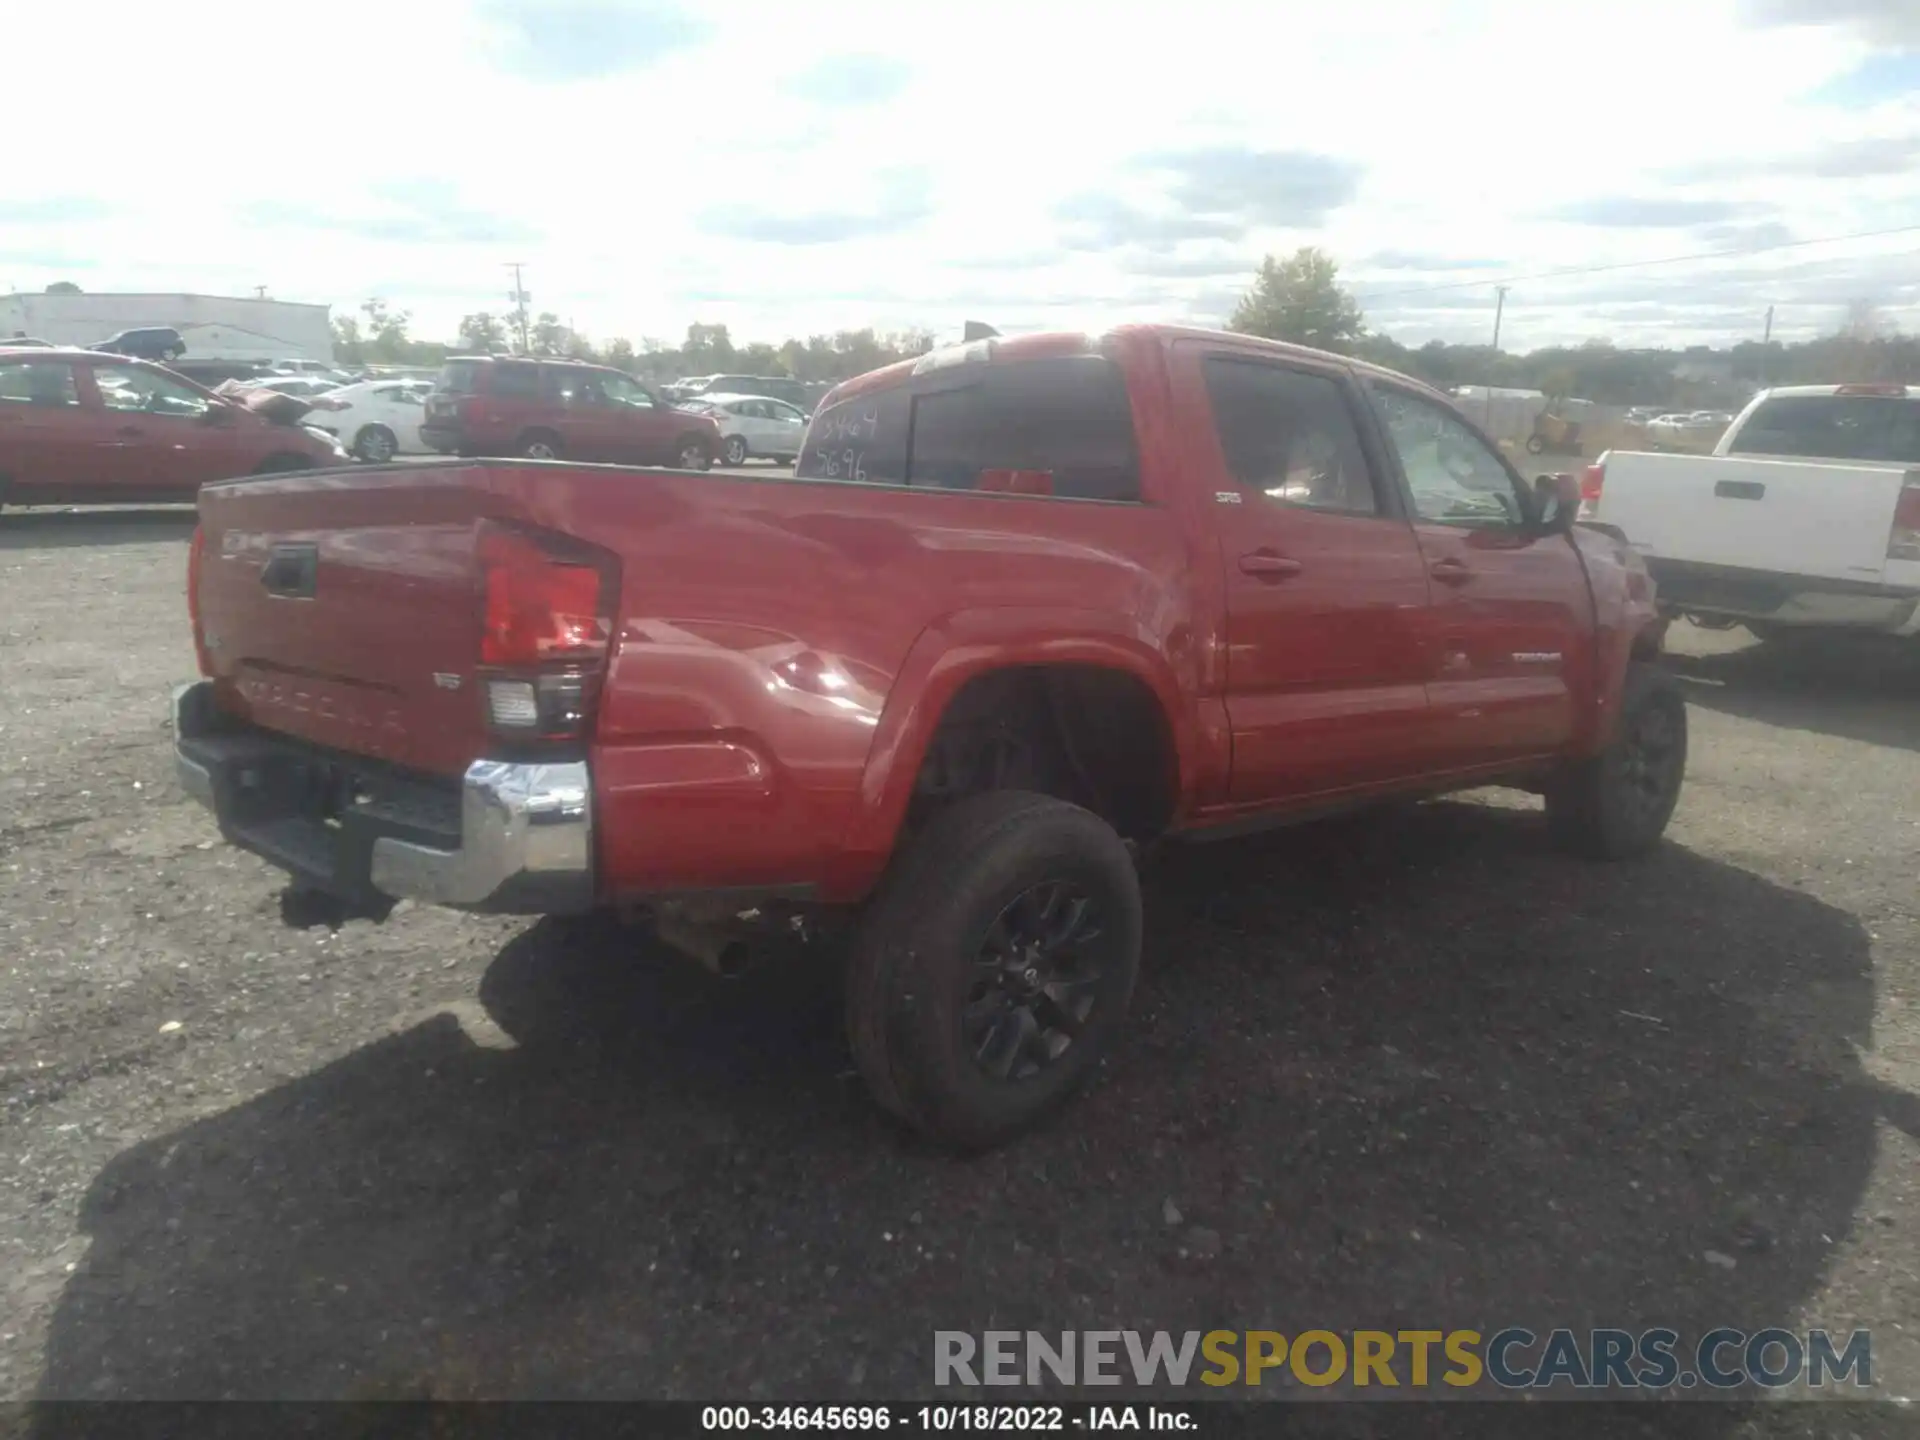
[1885,75]
[1268,187]
[419,212]
[550,40]
[1106,222]
[1210,193]
[1862,159]
[53,210]
[902,200]
[1207,265]
[850,80]
[1421,261]
[1887,22]
[1757,236]
[1652,212]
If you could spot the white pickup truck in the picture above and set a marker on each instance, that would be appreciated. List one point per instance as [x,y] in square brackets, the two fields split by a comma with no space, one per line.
[1806,514]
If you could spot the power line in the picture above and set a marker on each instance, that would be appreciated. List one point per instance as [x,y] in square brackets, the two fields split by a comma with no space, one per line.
[1637,264]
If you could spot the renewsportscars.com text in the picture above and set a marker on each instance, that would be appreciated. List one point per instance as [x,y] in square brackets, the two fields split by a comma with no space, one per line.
[1509,1359]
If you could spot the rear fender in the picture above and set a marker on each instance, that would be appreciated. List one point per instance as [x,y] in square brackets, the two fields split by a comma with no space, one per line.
[971,643]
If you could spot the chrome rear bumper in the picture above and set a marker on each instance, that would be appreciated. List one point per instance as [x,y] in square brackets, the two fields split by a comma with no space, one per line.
[507,837]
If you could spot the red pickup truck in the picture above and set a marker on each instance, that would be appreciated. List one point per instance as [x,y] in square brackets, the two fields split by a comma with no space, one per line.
[1025,606]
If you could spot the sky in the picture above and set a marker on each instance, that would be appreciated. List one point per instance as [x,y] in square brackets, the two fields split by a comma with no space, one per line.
[789,167]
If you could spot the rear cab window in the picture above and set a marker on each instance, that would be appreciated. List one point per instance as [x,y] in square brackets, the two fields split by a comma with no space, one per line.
[1833,427]
[1058,426]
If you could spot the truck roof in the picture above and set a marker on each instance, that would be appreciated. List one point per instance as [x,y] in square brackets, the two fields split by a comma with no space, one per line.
[1891,389]
[1051,343]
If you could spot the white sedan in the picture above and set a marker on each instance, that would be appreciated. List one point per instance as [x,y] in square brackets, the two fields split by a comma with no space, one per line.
[376,419]
[755,425]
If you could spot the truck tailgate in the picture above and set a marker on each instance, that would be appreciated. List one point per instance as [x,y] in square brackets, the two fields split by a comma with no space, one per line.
[343,608]
[1791,517]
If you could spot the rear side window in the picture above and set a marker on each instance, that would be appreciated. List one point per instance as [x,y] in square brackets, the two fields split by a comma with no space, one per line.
[38,382]
[863,439]
[1065,417]
[1288,435]
[458,378]
[516,380]
[1833,427]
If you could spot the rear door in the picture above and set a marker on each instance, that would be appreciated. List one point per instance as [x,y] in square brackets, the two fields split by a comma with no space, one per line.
[47,438]
[1326,587]
[1511,617]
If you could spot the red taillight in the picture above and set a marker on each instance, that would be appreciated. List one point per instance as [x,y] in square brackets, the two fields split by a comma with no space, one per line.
[546,630]
[1903,541]
[1592,481]
[1897,392]
[195,551]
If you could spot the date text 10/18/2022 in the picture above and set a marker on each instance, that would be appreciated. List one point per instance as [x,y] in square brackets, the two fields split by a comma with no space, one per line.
[943,1419]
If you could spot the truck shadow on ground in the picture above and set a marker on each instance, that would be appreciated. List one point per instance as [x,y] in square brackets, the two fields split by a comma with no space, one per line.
[1860,688]
[1418,1074]
[90,529]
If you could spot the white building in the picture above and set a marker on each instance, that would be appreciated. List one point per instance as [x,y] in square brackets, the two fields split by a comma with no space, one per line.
[214,327]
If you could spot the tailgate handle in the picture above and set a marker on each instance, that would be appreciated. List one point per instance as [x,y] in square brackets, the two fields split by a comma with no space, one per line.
[291,571]
[1740,490]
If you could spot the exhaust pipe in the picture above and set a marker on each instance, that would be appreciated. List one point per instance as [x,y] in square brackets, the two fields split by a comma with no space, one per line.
[722,953]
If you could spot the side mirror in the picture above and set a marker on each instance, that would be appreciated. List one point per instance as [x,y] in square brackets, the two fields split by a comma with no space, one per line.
[1559,497]
[220,413]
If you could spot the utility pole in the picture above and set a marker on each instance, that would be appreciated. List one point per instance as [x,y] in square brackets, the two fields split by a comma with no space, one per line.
[520,298]
[260,291]
[1499,309]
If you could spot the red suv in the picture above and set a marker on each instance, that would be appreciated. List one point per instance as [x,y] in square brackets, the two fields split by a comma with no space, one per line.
[84,427]
[546,409]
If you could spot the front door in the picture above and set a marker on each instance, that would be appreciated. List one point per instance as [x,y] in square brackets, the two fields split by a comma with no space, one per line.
[643,428]
[46,438]
[786,428]
[155,437]
[1326,588]
[1511,612]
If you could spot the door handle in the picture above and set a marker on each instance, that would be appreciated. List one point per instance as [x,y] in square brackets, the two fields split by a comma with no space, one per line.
[1451,571]
[1269,566]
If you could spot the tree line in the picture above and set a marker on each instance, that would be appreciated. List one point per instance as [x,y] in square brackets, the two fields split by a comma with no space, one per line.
[1300,298]
[381,335]
[1297,297]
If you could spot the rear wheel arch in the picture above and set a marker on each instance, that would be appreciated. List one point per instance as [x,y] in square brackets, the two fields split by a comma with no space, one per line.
[1123,753]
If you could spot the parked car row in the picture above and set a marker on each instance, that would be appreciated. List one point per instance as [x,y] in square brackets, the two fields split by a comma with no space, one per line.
[89,426]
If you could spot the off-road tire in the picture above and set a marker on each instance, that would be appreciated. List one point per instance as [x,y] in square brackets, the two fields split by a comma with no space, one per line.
[914,951]
[1608,807]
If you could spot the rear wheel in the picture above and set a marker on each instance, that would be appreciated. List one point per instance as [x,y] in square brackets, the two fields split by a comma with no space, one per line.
[692,452]
[538,445]
[376,445]
[1617,803]
[993,971]
[736,450]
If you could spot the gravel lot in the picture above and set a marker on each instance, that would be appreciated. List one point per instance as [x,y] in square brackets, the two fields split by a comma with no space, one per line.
[1412,1074]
